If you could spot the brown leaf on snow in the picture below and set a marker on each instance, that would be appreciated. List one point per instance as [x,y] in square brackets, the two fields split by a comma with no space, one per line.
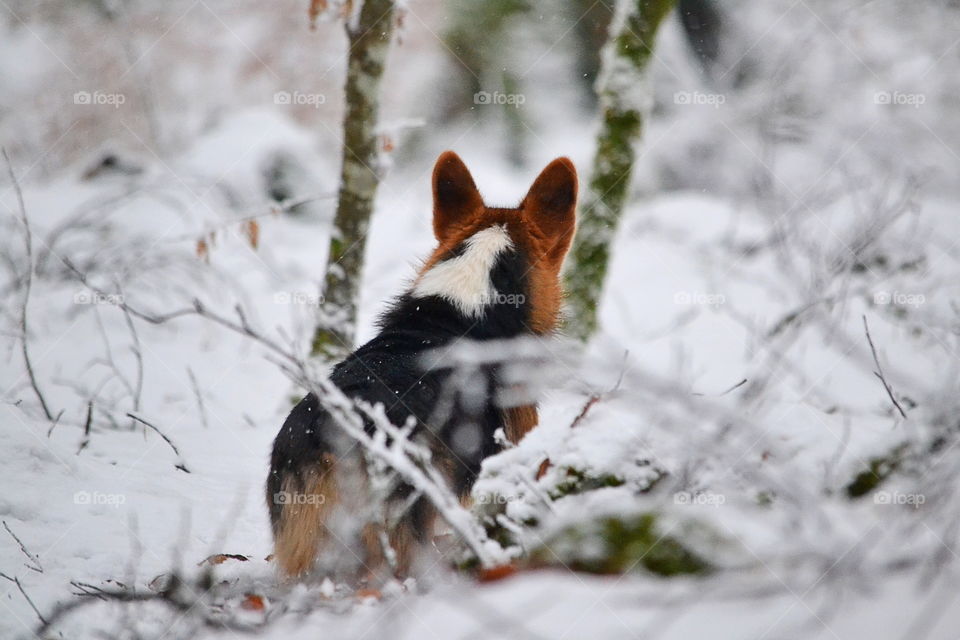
[543,468]
[252,602]
[252,229]
[203,250]
[496,573]
[161,583]
[220,558]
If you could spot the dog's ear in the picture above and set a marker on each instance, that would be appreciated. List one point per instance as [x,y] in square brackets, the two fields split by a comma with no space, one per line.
[551,203]
[455,196]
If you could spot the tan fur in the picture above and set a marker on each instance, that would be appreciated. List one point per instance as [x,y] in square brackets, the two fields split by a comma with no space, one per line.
[542,226]
[402,539]
[301,530]
[542,232]
[544,275]
[519,421]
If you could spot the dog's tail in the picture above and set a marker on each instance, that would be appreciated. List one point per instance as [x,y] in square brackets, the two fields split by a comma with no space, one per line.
[299,511]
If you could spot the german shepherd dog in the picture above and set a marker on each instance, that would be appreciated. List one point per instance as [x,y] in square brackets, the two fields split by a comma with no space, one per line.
[318,487]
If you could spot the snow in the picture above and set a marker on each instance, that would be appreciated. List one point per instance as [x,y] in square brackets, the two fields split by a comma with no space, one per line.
[760,232]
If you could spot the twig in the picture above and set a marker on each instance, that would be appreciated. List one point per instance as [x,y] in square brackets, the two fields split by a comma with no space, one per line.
[110,363]
[87,590]
[723,393]
[409,460]
[275,209]
[597,397]
[56,421]
[197,309]
[28,285]
[86,428]
[592,400]
[173,597]
[138,354]
[735,387]
[199,396]
[34,559]
[879,371]
[180,465]
[16,581]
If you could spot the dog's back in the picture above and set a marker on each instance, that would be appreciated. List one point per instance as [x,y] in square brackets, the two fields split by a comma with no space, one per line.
[494,275]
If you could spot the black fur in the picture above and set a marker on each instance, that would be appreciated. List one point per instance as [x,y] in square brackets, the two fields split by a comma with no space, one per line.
[392,369]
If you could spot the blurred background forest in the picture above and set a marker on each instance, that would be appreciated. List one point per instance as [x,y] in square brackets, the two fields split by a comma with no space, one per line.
[757,440]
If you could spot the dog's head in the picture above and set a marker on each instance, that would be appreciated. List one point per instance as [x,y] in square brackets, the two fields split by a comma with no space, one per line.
[485,249]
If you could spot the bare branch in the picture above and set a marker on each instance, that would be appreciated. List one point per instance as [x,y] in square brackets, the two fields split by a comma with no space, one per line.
[16,581]
[28,285]
[138,354]
[56,421]
[597,397]
[180,464]
[34,559]
[86,428]
[879,371]
[173,596]
[199,397]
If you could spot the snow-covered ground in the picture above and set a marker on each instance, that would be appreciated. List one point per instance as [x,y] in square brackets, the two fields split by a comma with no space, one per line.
[731,390]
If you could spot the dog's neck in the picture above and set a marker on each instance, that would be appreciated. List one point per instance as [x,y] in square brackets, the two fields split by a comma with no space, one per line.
[478,291]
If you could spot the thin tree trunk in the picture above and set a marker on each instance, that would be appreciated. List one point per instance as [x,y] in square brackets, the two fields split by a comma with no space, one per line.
[623,102]
[369,40]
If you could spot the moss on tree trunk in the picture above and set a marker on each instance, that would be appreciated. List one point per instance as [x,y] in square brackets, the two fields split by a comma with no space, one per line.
[620,90]
[369,40]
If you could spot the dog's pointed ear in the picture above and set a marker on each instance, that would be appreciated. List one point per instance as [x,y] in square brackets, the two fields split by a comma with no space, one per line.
[551,204]
[455,196]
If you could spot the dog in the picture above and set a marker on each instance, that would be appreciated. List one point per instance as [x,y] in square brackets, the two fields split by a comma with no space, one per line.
[495,274]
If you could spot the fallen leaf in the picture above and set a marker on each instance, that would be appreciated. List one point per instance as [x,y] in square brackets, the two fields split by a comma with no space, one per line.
[161,583]
[252,229]
[496,573]
[203,250]
[544,467]
[252,602]
[220,558]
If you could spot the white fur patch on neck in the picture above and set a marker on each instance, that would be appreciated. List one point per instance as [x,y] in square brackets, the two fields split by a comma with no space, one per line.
[464,280]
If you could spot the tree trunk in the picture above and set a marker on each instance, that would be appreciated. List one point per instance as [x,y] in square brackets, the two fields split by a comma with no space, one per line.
[623,102]
[369,40]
